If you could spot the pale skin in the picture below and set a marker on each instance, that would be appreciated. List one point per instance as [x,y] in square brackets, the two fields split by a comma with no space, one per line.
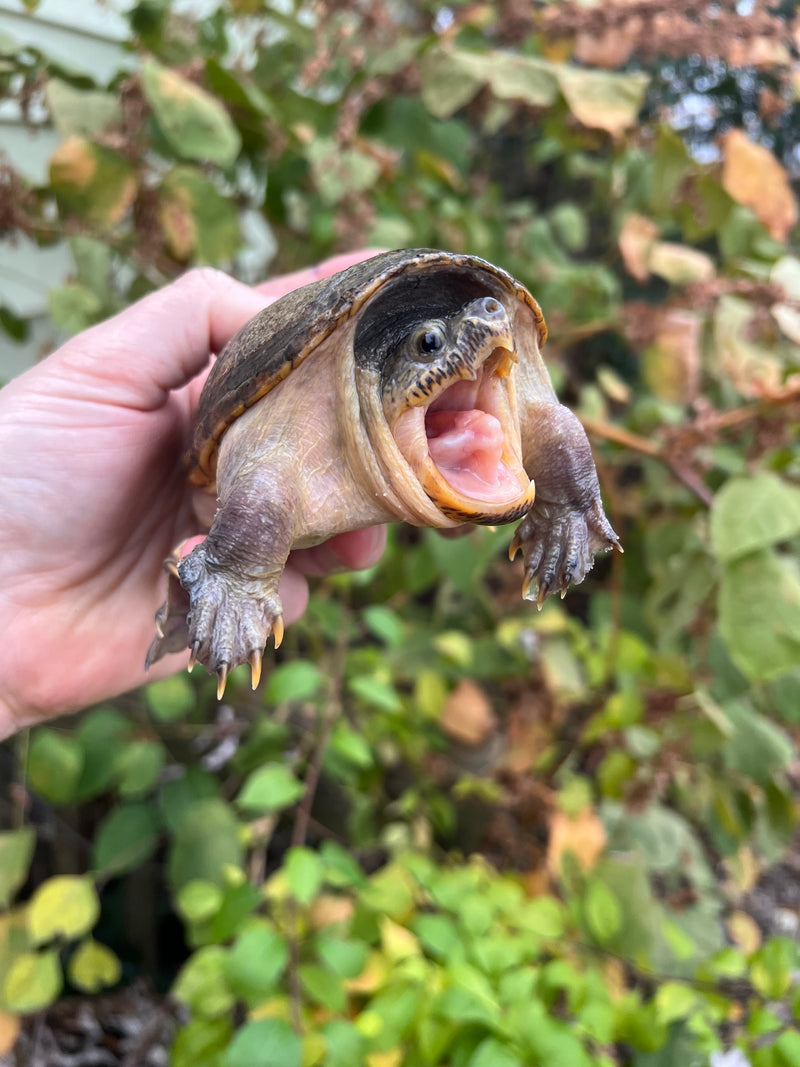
[93,495]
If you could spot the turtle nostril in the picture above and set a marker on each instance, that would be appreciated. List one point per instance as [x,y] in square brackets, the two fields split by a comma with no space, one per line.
[492,307]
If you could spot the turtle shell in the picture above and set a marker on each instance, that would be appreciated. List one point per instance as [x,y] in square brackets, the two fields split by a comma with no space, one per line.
[281,336]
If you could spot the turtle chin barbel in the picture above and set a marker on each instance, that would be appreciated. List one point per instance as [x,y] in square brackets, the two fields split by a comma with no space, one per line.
[409,387]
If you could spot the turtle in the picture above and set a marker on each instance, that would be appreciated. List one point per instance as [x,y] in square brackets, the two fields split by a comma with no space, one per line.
[408,387]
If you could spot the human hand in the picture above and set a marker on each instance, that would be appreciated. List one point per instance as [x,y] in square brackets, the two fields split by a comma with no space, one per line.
[93,495]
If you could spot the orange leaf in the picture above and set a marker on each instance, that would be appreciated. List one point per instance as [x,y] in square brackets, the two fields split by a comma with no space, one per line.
[583,835]
[467,715]
[755,178]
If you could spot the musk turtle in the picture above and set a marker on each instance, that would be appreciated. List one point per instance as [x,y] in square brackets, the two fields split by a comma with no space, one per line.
[408,387]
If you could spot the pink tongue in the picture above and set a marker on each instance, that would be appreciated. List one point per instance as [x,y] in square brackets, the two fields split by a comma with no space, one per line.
[467,447]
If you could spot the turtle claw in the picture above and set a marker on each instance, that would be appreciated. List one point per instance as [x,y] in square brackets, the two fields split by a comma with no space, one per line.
[277,631]
[222,678]
[254,659]
[559,543]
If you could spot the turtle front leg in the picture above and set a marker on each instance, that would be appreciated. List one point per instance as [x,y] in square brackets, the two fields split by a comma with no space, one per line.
[223,599]
[566,526]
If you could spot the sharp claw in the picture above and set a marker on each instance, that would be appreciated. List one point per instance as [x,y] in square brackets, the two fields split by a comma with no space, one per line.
[277,631]
[222,677]
[159,627]
[171,567]
[193,657]
[514,547]
[255,667]
[563,591]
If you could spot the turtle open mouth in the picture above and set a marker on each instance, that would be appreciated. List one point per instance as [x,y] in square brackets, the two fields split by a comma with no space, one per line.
[464,444]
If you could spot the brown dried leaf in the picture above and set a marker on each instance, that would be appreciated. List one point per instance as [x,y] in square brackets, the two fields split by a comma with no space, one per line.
[755,178]
[582,835]
[467,715]
[610,49]
[635,241]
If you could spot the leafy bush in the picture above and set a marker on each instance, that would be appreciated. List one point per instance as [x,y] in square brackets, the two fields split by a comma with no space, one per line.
[448,829]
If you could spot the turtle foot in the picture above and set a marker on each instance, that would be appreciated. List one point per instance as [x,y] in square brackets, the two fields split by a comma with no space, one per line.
[223,619]
[559,543]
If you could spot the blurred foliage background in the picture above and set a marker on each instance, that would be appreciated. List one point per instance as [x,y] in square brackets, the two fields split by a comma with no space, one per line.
[448,829]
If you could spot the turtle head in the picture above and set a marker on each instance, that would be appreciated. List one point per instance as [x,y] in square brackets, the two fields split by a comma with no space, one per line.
[448,399]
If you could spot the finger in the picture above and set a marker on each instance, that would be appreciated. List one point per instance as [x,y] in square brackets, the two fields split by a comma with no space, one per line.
[276,287]
[348,551]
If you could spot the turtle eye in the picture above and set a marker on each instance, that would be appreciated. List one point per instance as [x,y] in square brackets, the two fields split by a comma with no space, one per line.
[429,341]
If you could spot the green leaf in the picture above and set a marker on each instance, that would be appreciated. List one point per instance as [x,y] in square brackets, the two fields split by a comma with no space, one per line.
[101,734]
[198,901]
[84,111]
[754,512]
[93,182]
[126,838]
[347,958]
[305,873]
[340,172]
[195,124]
[16,852]
[272,788]
[55,763]
[256,962]
[64,906]
[772,966]
[201,983]
[345,1045]
[759,614]
[172,698]
[323,986]
[201,1042]
[138,766]
[602,910]
[297,680]
[180,795]
[206,844]
[92,967]
[491,1053]
[385,624]
[265,1043]
[197,220]
[758,748]
[341,869]
[375,692]
[673,1001]
[73,307]
[33,981]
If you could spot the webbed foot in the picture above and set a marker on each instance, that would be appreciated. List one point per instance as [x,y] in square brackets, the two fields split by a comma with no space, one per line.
[223,619]
[559,543]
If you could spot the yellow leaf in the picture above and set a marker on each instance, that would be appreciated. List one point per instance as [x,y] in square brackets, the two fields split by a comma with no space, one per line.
[64,906]
[602,100]
[744,932]
[755,178]
[635,241]
[93,966]
[393,1057]
[33,981]
[398,942]
[679,264]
